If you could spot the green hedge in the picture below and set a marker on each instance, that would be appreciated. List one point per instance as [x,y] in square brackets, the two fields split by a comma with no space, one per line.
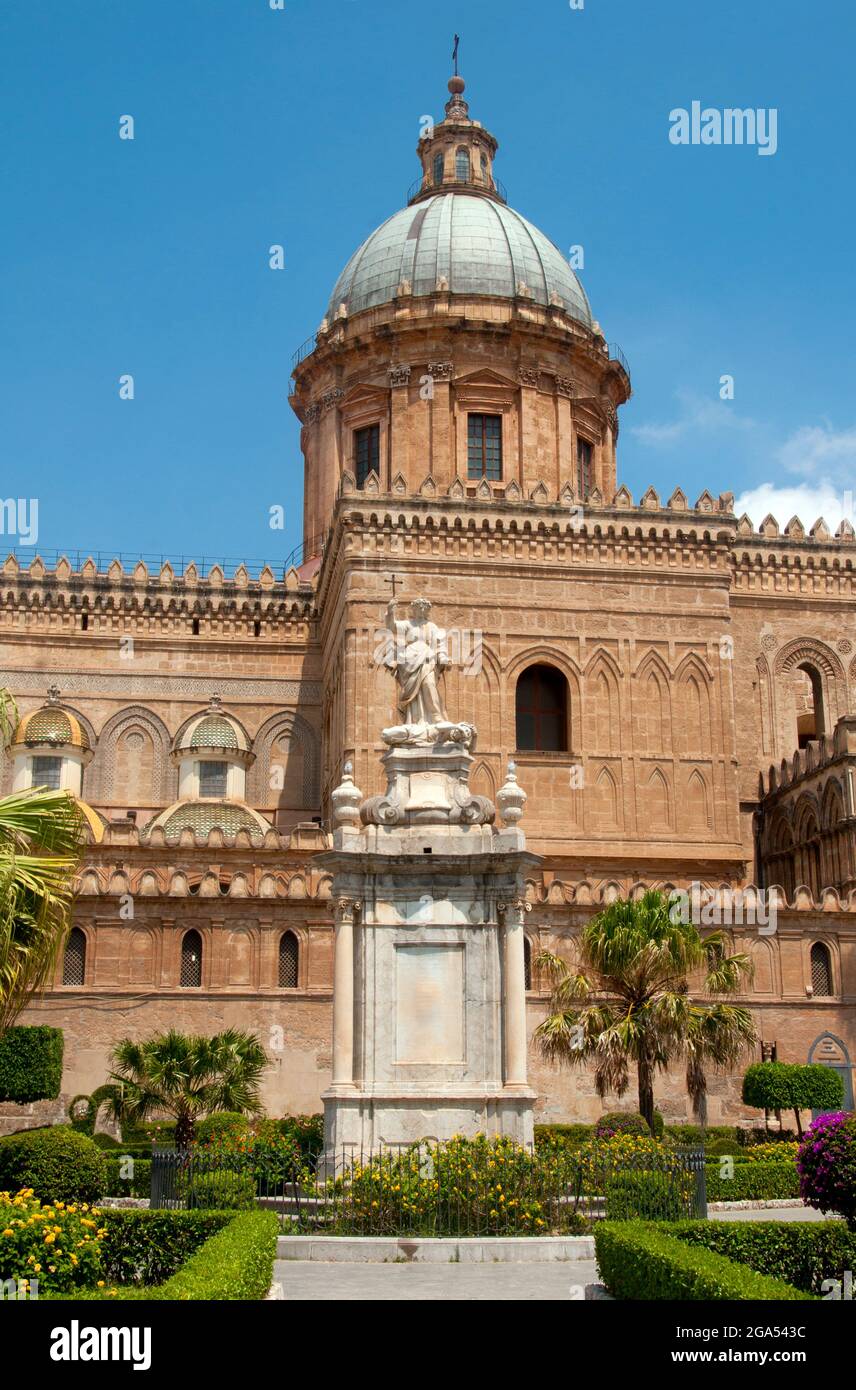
[803,1253]
[30,1064]
[789,1086]
[59,1164]
[234,1265]
[569,1136]
[644,1196]
[148,1247]
[753,1182]
[646,1262]
[139,1185]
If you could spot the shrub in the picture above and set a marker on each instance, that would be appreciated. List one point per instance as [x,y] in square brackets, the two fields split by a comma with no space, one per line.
[752,1182]
[221,1191]
[57,1244]
[642,1261]
[487,1186]
[83,1110]
[826,1163]
[787,1086]
[147,1247]
[751,1138]
[598,1162]
[306,1131]
[646,1197]
[722,1146]
[270,1157]
[30,1064]
[221,1122]
[785,1152]
[562,1136]
[804,1253]
[620,1122]
[57,1163]
[128,1180]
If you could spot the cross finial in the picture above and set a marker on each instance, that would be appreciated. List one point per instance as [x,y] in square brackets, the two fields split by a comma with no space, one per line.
[393,579]
[54,693]
[455,53]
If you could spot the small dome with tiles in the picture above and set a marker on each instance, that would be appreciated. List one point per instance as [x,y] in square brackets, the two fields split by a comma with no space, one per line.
[204,816]
[52,727]
[213,731]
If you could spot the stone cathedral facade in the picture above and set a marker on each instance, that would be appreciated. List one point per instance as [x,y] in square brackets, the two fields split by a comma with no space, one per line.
[676,688]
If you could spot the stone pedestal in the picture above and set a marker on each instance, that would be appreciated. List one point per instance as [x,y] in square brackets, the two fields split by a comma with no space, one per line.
[429,1031]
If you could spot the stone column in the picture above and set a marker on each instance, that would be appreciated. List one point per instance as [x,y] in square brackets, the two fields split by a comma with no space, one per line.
[513,915]
[343,994]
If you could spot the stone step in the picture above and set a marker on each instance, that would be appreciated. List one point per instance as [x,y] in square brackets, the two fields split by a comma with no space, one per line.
[435,1250]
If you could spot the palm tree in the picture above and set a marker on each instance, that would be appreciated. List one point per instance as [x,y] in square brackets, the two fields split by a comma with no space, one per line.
[187,1076]
[41,834]
[627,999]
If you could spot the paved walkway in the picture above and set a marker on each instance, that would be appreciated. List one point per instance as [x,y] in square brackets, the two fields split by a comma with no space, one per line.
[800,1213]
[311,1280]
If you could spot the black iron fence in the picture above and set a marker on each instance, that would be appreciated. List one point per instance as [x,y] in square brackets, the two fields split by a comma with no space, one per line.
[463,1188]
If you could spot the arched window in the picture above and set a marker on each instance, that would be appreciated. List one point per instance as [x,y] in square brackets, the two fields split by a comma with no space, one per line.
[808,702]
[527,962]
[191,961]
[289,960]
[484,167]
[462,165]
[439,162]
[821,971]
[74,961]
[542,710]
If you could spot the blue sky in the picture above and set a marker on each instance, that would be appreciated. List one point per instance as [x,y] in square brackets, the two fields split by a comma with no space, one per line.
[256,126]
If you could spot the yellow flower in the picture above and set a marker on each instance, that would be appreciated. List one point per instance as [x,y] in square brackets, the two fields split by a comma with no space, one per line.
[49,1237]
[100,1284]
[8,1231]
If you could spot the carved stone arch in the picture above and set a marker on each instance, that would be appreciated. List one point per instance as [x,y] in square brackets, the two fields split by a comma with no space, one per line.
[656,803]
[693,683]
[603,804]
[698,802]
[603,703]
[99,778]
[812,651]
[288,725]
[765,704]
[652,704]
[545,654]
[806,816]
[482,780]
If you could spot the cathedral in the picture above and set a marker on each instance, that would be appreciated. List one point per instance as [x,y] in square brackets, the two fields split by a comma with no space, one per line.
[675,688]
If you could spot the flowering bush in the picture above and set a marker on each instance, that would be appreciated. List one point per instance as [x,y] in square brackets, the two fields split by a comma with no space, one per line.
[769,1153]
[621,1122]
[267,1155]
[57,1244]
[826,1163]
[601,1161]
[489,1186]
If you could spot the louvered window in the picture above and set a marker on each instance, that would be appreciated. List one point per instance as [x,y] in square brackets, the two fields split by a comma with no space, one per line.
[191,961]
[74,962]
[289,960]
[821,973]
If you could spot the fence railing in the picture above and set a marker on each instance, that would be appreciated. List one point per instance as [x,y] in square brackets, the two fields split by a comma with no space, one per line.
[429,1189]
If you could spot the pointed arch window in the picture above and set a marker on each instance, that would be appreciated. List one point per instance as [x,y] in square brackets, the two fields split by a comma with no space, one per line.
[191,961]
[821,971]
[808,701]
[541,703]
[74,960]
[289,960]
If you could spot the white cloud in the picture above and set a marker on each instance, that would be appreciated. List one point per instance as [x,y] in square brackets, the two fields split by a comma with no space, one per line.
[808,501]
[822,452]
[700,415]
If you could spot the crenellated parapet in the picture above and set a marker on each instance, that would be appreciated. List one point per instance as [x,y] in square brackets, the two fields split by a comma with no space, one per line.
[105,598]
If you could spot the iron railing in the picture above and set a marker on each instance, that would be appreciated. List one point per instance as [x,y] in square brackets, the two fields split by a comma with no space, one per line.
[103,559]
[431,1189]
[491,185]
[616,355]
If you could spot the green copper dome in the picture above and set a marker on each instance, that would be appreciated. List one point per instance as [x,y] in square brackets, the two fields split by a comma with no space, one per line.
[463,243]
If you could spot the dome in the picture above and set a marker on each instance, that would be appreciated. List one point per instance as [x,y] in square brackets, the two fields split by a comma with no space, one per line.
[215,731]
[461,242]
[52,727]
[203,816]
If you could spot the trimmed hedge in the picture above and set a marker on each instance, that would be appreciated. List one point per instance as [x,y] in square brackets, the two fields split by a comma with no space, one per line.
[234,1265]
[59,1165]
[137,1185]
[148,1247]
[30,1064]
[752,1182]
[645,1197]
[800,1252]
[790,1086]
[647,1262]
[568,1136]
[221,1191]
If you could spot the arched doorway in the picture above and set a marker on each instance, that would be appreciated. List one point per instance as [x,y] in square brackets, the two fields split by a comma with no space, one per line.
[829,1051]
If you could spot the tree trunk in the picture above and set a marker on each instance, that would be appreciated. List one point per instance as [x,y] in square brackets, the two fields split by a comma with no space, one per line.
[184,1130]
[646,1090]
[799,1122]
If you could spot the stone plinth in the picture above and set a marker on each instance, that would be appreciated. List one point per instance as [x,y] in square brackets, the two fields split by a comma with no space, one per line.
[429,995]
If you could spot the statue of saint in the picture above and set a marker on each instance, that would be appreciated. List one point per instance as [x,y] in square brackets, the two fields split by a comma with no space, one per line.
[417,656]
